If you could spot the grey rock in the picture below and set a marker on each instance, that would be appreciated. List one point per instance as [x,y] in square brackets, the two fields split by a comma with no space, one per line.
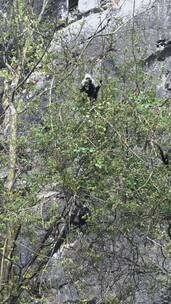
[86,5]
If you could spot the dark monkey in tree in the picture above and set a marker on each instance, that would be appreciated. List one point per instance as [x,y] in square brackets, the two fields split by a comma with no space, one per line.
[80,215]
[89,87]
[162,44]
[164,156]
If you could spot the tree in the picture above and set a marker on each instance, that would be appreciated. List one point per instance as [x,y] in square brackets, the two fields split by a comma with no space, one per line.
[24,45]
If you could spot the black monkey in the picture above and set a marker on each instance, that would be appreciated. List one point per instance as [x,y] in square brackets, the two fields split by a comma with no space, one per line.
[79,215]
[160,44]
[89,87]
[163,50]
[169,231]
[163,155]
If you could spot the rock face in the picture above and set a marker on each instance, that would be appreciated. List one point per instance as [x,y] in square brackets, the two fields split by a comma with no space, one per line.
[85,5]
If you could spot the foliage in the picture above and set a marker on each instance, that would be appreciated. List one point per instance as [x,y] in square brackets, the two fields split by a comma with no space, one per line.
[101,153]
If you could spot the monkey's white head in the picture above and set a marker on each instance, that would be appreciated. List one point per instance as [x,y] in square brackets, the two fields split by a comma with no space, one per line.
[161,44]
[88,78]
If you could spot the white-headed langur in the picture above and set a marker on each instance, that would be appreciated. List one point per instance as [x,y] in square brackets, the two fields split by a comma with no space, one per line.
[89,87]
[160,44]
